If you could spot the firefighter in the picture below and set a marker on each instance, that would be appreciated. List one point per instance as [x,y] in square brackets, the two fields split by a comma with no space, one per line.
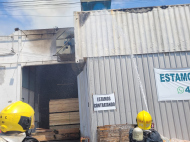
[143,132]
[15,121]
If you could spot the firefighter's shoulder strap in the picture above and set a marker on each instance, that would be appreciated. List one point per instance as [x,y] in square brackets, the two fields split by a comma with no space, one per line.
[131,135]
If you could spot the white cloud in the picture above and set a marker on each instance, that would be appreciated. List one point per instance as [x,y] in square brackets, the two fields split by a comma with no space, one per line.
[33,22]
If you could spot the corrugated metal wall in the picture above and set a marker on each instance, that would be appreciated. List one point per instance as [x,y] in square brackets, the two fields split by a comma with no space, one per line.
[116,74]
[137,31]
[83,97]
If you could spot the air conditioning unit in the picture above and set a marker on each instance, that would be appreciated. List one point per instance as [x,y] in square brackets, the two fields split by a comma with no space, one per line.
[65,46]
[64,50]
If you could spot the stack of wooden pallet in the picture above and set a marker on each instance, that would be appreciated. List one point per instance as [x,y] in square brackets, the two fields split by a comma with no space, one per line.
[63,112]
[115,133]
[64,121]
[61,134]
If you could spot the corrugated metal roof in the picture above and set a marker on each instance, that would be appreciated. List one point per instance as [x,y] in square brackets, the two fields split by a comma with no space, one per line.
[137,31]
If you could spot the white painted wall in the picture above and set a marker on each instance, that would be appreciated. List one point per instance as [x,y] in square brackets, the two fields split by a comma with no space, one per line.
[34,47]
[10,85]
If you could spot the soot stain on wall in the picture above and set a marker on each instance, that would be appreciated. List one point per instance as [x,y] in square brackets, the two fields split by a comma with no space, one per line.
[83,17]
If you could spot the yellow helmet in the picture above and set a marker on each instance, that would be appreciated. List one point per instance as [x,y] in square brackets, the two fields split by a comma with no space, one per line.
[144,120]
[18,116]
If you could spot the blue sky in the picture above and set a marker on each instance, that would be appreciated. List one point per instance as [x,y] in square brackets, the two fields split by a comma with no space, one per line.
[14,15]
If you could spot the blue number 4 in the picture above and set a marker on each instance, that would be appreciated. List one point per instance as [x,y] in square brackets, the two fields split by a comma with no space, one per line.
[187,89]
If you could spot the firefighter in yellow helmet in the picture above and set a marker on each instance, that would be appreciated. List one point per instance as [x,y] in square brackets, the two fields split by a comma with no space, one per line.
[15,121]
[143,132]
[144,120]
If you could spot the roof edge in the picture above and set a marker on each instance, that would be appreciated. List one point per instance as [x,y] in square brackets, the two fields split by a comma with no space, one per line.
[126,9]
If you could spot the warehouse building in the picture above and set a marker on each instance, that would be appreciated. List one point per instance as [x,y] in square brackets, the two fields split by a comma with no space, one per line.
[38,66]
[114,43]
[106,52]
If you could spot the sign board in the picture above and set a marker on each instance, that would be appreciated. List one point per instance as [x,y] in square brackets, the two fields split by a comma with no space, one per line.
[104,102]
[173,84]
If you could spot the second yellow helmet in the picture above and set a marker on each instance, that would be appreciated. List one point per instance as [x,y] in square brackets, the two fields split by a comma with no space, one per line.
[18,116]
[144,120]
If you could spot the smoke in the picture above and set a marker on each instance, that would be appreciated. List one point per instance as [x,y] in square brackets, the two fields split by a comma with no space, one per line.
[19,14]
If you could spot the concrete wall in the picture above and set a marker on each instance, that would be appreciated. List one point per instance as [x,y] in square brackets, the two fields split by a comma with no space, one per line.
[31,48]
[10,85]
[35,47]
[116,74]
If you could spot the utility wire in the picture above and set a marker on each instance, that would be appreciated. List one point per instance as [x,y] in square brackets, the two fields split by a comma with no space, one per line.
[32,1]
[39,4]
[55,16]
[34,5]
[36,1]
[36,8]
[56,5]
[36,15]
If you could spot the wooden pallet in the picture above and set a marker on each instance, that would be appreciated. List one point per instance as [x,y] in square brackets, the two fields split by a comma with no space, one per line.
[61,134]
[64,127]
[114,133]
[63,105]
[64,118]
